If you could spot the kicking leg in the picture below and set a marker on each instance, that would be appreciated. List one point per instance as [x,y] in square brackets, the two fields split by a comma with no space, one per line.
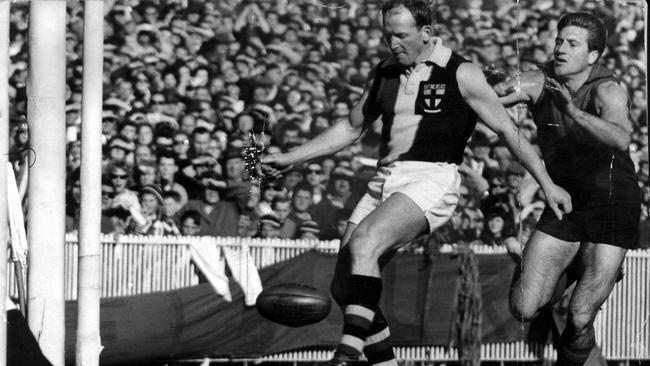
[544,260]
[392,224]
[601,264]
[377,347]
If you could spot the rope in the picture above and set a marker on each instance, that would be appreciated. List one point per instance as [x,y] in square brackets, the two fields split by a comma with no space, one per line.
[465,332]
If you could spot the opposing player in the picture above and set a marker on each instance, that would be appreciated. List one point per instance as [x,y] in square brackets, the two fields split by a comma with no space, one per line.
[429,99]
[584,132]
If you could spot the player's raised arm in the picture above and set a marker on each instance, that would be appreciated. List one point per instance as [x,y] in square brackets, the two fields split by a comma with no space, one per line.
[485,102]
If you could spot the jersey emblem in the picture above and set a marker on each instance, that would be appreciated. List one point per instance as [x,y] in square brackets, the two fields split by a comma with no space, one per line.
[432,96]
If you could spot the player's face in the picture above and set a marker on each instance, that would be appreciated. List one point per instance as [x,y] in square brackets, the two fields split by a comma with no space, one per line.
[571,53]
[405,39]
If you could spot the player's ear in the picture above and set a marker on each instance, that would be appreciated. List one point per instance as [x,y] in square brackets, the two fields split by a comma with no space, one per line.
[593,57]
[427,33]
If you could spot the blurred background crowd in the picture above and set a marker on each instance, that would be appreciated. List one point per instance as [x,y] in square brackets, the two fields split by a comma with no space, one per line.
[188,85]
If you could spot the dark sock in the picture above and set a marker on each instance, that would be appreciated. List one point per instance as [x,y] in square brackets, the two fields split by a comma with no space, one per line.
[362,302]
[574,350]
[377,347]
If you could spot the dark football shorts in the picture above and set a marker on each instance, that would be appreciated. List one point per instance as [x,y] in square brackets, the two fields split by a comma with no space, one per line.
[615,224]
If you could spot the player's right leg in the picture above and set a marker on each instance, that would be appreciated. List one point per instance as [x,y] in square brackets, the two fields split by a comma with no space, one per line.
[544,260]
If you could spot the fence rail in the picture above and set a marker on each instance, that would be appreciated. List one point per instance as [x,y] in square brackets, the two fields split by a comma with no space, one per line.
[134,265]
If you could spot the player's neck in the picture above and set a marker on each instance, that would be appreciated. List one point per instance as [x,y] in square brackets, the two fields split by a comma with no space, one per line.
[427,50]
[574,81]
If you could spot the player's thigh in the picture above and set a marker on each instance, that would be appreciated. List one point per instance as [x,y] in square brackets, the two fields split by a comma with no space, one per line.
[544,260]
[600,263]
[392,224]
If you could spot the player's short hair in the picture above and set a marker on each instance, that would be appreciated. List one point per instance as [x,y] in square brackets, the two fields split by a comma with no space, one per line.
[596,30]
[420,10]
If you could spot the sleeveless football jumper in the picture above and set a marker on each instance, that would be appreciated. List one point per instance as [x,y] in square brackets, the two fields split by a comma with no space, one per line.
[592,172]
[425,118]
[426,125]
[600,179]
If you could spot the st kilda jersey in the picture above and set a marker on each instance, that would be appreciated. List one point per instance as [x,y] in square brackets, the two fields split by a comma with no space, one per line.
[424,115]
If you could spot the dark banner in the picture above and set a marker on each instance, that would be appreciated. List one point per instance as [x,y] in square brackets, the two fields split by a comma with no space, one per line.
[195,322]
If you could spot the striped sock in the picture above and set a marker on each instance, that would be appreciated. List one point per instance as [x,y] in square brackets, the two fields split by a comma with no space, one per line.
[377,347]
[358,315]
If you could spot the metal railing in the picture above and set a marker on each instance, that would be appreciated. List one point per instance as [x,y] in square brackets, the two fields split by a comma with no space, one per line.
[134,265]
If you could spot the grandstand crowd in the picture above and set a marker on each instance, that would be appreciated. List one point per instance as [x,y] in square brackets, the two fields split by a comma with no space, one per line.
[188,85]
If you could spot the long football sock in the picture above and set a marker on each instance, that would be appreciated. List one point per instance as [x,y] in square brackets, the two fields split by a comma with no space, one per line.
[358,315]
[377,347]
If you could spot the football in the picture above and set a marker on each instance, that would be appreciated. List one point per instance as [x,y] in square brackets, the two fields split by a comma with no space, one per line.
[293,304]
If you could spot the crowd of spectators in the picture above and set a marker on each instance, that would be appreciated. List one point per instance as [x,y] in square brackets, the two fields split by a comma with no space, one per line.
[189,84]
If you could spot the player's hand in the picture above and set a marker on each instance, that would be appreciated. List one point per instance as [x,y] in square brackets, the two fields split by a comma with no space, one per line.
[562,93]
[558,200]
[274,166]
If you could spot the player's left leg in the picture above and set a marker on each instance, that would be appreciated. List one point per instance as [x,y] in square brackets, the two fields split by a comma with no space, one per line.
[393,223]
[601,266]
[377,346]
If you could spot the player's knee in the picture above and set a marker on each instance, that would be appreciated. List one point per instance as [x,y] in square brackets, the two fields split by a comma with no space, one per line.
[363,246]
[522,309]
[580,318]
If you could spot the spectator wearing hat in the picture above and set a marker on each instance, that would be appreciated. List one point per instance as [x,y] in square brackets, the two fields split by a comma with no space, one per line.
[148,221]
[109,123]
[340,194]
[233,166]
[120,149]
[294,176]
[309,230]
[269,226]
[218,217]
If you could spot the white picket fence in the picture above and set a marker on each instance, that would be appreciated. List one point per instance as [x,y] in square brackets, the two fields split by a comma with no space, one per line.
[134,265]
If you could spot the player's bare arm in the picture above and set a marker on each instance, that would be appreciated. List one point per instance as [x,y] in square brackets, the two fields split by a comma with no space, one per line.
[485,102]
[524,88]
[612,126]
[333,139]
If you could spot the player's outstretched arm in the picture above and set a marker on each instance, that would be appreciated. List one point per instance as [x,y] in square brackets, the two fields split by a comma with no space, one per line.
[485,102]
[333,139]
[520,88]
